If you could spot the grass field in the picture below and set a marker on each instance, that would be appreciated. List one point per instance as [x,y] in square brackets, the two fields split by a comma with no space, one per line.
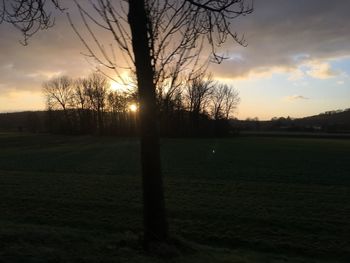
[78,199]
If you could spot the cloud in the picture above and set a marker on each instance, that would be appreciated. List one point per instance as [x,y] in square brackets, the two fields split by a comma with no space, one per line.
[321,70]
[296,74]
[287,36]
[296,97]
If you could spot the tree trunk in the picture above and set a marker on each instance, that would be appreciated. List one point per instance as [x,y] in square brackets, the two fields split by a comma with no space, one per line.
[155,224]
[100,123]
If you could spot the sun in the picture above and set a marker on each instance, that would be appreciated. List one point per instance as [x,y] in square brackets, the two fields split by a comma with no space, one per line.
[133,107]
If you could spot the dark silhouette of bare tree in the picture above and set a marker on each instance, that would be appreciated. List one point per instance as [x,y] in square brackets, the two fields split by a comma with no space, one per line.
[152,34]
[59,92]
[224,100]
[80,96]
[29,16]
[96,90]
[198,95]
[82,104]
[59,95]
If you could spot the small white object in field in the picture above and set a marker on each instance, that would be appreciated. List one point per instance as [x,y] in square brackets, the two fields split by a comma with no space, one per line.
[213,151]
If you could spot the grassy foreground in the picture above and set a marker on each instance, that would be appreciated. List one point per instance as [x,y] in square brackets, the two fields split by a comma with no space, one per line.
[78,199]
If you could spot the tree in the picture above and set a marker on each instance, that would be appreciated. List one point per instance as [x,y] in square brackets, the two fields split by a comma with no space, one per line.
[123,117]
[80,96]
[231,101]
[155,223]
[198,94]
[59,93]
[224,101]
[96,90]
[148,43]
[81,103]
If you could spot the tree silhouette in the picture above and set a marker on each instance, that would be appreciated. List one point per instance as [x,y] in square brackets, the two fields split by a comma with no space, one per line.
[96,90]
[198,94]
[224,101]
[146,33]
[59,94]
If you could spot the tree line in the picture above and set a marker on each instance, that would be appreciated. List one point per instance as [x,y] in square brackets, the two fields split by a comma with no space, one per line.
[197,106]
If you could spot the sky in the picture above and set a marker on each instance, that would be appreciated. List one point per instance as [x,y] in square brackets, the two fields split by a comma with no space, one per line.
[297,62]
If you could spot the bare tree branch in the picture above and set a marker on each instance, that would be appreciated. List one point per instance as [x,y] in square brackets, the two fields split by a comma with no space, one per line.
[29,16]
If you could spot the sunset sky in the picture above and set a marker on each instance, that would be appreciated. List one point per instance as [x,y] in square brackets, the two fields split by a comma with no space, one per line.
[297,62]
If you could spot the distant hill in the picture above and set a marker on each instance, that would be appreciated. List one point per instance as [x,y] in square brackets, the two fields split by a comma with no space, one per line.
[340,118]
[331,121]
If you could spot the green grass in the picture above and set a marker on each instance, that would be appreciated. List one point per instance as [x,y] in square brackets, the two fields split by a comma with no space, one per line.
[78,199]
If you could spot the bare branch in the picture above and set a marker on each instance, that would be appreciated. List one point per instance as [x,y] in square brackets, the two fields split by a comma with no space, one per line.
[29,16]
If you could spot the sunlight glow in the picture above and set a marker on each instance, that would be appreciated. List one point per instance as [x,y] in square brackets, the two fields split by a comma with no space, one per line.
[115,86]
[123,82]
[133,107]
